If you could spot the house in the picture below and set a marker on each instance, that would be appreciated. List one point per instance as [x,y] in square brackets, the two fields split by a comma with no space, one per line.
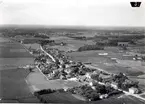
[93,83]
[114,85]
[68,70]
[62,43]
[104,96]
[71,62]
[82,78]
[103,54]
[67,65]
[68,76]
[105,78]
[88,75]
[93,87]
[123,43]
[62,77]
[73,79]
[61,61]
[133,90]
[65,88]
[55,71]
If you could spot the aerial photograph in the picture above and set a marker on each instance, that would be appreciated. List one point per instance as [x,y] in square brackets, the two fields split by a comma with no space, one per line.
[72,51]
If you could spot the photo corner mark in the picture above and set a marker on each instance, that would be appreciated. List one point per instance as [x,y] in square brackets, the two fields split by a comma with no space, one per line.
[135,4]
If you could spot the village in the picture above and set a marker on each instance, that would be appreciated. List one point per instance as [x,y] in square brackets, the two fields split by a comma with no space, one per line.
[55,65]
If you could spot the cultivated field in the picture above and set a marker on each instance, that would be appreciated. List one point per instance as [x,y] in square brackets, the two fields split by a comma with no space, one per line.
[12,80]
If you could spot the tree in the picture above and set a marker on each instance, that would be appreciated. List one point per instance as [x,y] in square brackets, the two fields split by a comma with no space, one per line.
[100,89]
[30,69]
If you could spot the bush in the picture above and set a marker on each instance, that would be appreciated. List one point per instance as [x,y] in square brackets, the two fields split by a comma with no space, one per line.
[45,91]
[114,92]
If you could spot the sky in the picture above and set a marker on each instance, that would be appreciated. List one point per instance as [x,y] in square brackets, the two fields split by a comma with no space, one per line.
[72,12]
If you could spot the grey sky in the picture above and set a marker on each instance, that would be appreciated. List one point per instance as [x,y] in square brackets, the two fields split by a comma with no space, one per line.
[72,12]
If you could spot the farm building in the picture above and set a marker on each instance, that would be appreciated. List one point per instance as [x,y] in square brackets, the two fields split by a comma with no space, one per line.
[123,43]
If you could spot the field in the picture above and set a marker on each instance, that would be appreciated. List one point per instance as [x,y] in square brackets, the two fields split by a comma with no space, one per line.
[106,63]
[12,50]
[13,55]
[37,81]
[13,84]
[72,44]
[12,80]
[33,46]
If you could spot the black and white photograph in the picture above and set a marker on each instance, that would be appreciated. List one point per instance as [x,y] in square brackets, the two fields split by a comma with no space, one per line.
[72,51]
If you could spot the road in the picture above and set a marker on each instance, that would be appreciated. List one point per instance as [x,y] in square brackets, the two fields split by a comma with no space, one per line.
[47,54]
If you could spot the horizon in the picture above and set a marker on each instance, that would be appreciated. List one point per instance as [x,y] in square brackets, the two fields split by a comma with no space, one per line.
[81,26]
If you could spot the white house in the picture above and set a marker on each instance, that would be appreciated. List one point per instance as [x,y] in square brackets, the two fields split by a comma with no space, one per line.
[88,75]
[72,79]
[93,87]
[104,96]
[133,90]
[103,54]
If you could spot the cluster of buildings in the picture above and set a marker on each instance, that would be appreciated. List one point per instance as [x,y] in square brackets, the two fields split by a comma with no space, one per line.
[67,69]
